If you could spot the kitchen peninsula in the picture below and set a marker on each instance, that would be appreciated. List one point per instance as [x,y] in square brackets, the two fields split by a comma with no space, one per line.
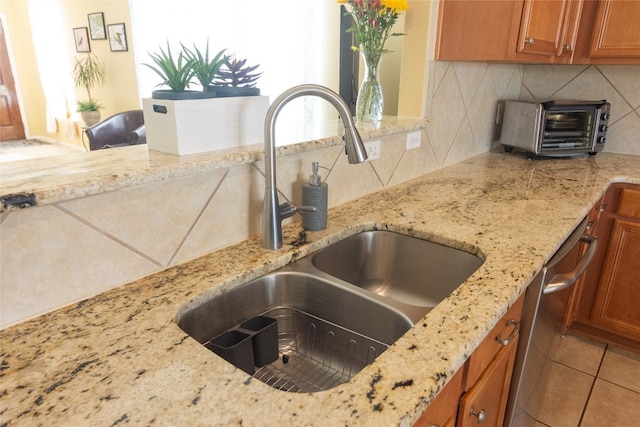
[120,357]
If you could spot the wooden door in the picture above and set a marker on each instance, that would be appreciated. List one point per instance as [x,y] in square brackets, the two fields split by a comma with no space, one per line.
[616,31]
[487,399]
[11,126]
[549,27]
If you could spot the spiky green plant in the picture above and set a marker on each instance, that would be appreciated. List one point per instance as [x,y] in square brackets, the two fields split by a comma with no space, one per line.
[175,73]
[204,70]
[236,74]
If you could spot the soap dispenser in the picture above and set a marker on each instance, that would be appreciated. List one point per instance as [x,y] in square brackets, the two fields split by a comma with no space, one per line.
[315,193]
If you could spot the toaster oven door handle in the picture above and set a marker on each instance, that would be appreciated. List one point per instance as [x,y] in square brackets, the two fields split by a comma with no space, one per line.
[565,280]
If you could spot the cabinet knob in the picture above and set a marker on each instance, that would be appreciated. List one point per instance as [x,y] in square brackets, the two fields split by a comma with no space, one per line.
[530,41]
[481,415]
[567,47]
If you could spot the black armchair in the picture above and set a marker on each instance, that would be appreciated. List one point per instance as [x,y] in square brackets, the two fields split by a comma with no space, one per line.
[119,130]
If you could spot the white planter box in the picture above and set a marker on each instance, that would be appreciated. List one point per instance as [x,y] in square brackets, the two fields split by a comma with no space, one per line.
[194,126]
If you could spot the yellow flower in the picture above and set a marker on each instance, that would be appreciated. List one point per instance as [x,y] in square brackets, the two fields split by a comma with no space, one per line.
[343,1]
[395,5]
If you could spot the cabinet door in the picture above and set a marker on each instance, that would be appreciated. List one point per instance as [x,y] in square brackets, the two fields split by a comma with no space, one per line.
[549,27]
[442,411]
[486,401]
[616,31]
[618,295]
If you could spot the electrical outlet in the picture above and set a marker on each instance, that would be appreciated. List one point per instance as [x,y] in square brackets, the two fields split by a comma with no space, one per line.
[413,140]
[373,149]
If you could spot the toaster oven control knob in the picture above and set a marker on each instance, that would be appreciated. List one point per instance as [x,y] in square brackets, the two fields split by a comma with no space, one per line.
[605,116]
[603,128]
[601,139]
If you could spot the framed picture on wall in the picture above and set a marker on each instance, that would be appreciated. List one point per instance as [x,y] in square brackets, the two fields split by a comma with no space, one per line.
[96,26]
[81,37]
[117,37]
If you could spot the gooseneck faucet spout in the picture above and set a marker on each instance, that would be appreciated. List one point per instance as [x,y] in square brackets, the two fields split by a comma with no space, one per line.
[273,212]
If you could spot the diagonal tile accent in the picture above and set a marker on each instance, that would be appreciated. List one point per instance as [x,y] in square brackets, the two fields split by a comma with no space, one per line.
[545,80]
[150,218]
[230,215]
[56,260]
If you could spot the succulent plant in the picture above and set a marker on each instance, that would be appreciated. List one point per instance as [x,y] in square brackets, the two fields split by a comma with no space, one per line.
[234,73]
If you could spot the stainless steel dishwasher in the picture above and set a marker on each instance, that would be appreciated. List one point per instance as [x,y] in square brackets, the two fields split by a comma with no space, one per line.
[542,322]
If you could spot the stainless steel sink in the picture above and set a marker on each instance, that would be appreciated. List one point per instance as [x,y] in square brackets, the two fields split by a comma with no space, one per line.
[326,332]
[335,310]
[404,268]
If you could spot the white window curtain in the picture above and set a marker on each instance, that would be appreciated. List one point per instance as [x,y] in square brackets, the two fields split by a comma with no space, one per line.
[294,41]
[52,54]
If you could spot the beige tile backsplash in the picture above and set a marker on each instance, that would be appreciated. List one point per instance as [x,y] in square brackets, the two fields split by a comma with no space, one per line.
[60,254]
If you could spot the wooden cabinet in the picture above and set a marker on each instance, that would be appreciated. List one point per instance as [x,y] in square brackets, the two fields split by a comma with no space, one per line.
[540,31]
[486,401]
[610,289]
[480,389]
[549,28]
[442,411]
[617,29]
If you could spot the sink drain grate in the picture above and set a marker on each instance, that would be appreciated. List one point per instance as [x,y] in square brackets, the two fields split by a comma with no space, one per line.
[316,354]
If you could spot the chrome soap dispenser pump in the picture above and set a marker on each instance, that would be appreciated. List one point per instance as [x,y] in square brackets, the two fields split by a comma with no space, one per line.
[315,193]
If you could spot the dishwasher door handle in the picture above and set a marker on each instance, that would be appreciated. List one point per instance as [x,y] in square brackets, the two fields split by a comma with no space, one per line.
[565,280]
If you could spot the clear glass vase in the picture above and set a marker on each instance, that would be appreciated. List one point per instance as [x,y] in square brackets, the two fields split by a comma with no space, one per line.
[370,102]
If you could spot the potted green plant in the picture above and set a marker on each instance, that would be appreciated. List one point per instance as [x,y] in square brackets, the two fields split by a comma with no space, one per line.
[179,124]
[87,73]
[176,73]
[204,70]
[236,78]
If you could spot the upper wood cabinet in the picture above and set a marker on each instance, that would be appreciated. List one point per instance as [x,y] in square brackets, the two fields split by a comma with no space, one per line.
[549,27]
[609,33]
[540,31]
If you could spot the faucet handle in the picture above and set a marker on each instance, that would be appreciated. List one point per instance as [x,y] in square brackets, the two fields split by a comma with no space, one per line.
[288,209]
[306,208]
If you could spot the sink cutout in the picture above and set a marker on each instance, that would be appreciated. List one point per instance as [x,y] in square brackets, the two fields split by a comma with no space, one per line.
[326,333]
[404,268]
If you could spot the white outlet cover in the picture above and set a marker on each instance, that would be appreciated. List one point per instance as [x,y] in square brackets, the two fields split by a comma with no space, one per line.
[373,149]
[413,140]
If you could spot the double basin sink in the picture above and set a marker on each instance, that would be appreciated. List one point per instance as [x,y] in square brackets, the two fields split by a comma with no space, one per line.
[336,310]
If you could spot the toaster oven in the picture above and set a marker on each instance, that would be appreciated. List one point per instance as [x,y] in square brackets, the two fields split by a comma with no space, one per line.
[554,128]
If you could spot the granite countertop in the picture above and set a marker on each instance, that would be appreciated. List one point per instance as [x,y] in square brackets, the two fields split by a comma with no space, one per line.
[119,357]
[49,180]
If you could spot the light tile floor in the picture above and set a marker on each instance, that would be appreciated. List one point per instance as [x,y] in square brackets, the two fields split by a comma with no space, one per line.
[591,384]
[11,151]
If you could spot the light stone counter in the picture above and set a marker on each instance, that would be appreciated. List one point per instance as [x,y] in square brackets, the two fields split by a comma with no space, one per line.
[55,179]
[120,357]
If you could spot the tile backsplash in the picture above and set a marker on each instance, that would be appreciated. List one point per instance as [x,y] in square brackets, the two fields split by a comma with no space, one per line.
[62,253]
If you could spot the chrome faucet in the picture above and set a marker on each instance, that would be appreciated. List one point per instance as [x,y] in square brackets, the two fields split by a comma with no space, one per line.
[273,213]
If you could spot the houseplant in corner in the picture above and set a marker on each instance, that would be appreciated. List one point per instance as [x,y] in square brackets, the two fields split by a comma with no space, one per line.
[236,79]
[87,73]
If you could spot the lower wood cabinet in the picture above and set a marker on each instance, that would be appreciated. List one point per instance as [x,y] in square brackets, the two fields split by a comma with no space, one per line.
[478,392]
[610,289]
[485,403]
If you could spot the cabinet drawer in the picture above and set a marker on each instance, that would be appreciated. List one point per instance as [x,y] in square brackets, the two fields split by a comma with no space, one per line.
[629,205]
[505,329]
